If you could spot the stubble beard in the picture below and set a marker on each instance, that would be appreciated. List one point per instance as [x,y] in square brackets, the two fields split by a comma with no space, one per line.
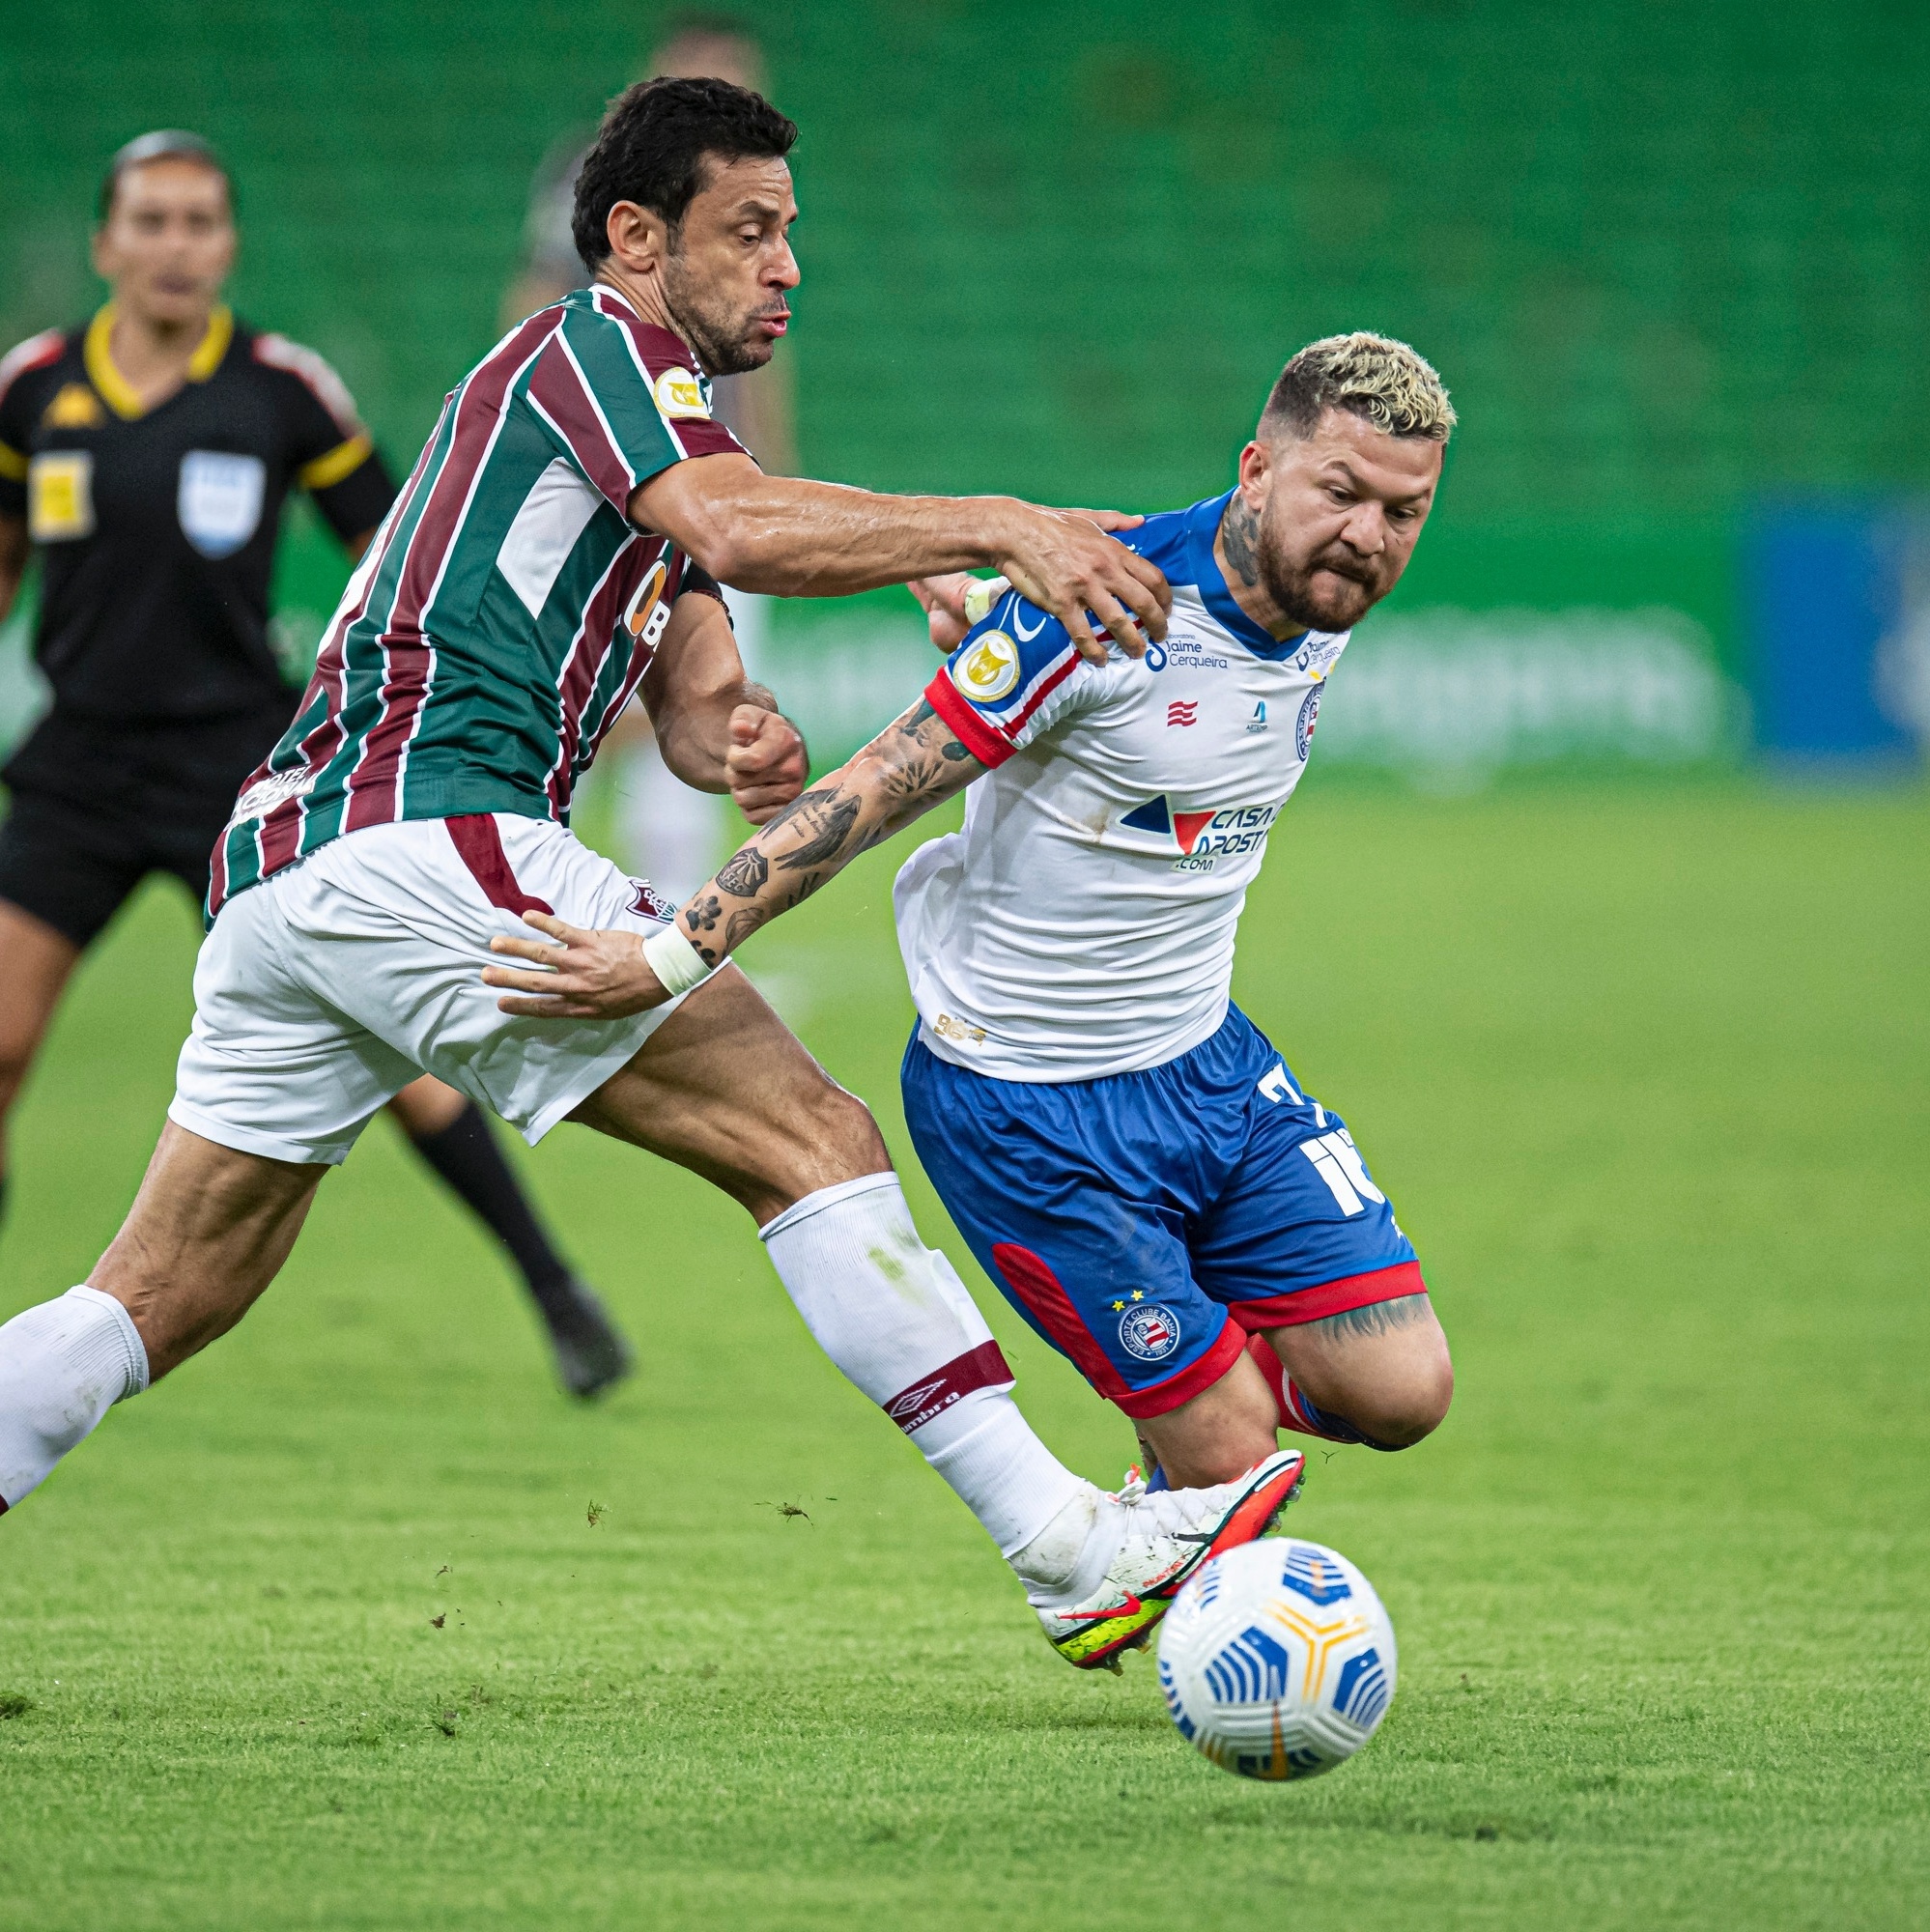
[720,336]
[1351,589]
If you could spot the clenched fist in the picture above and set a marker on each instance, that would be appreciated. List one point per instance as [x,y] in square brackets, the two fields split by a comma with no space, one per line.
[767,762]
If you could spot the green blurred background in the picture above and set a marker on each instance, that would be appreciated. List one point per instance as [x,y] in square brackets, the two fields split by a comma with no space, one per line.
[1670,260]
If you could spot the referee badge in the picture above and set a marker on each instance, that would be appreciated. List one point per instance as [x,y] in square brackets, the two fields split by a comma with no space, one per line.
[60,496]
[219,501]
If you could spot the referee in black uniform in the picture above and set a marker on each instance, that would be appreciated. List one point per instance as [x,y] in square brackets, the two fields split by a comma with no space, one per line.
[147,455]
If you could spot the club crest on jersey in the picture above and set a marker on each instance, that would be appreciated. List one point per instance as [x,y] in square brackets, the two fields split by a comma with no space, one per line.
[650,903]
[680,394]
[987,668]
[219,499]
[1303,725]
[1149,1331]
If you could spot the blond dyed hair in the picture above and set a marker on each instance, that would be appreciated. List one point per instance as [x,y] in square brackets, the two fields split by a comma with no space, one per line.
[1383,382]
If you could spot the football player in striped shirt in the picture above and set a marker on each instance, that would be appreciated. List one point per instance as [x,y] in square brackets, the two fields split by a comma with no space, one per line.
[146,456]
[555,548]
[1128,1155]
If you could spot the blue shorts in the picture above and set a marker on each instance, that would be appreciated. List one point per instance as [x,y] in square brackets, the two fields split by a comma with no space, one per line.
[1144,1225]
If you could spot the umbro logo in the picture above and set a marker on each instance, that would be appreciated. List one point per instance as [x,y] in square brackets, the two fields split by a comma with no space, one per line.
[1181,712]
[913,1400]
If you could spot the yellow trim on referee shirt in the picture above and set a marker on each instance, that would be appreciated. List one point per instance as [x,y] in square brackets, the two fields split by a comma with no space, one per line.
[13,465]
[331,465]
[116,391]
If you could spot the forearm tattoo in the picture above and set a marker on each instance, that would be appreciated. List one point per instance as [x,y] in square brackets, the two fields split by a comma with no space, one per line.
[912,765]
[1241,529]
[746,874]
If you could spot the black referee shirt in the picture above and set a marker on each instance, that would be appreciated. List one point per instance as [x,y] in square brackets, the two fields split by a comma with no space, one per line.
[156,528]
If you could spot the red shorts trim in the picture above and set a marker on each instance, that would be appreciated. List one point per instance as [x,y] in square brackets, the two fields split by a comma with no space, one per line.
[1144,1404]
[1035,1284]
[1329,1297]
[479,845]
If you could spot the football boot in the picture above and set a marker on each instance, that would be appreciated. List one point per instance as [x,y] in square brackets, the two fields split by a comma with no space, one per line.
[1168,1535]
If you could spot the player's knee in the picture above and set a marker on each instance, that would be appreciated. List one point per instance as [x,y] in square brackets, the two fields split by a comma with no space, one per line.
[1407,1406]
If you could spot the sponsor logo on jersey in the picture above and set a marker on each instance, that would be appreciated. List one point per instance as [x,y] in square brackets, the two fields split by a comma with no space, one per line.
[1180,713]
[1183,653]
[679,393]
[1258,721]
[263,796]
[948,1028]
[646,614]
[1318,658]
[219,499]
[1149,1331]
[987,668]
[74,406]
[1201,836]
[1303,725]
[60,496]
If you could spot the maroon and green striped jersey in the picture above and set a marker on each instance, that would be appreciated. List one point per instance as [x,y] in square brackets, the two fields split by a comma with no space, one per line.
[507,608]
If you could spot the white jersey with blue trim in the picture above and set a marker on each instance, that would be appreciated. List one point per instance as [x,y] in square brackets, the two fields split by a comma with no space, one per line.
[1082,923]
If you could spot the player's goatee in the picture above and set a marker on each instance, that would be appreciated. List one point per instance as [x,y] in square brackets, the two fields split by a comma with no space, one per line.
[1328,593]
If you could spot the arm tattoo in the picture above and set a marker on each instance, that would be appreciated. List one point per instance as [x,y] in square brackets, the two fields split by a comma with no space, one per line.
[744,876]
[907,768]
[832,827]
[803,802]
[1241,529]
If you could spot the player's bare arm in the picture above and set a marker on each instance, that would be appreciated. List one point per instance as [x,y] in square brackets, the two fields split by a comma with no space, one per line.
[718,276]
[788,537]
[716,729]
[915,763]
[14,549]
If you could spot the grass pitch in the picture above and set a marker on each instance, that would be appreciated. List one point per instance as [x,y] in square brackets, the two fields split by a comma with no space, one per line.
[356,1623]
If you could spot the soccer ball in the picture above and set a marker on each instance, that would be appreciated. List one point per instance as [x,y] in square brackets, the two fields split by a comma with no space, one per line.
[1277,1659]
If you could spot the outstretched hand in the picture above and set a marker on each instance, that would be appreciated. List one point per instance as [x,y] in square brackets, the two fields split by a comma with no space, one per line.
[948,616]
[583,976]
[767,762]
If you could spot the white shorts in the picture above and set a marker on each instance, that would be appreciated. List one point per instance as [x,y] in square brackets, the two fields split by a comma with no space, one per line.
[328,987]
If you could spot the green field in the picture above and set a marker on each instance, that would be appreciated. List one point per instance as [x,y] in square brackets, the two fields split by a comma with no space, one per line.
[1645,1072]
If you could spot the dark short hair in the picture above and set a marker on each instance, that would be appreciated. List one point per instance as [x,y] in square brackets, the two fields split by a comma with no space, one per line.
[164,144]
[651,148]
[1374,377]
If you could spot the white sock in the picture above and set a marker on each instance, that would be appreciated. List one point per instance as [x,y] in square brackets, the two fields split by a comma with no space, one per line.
[63,1366]
[895,1317]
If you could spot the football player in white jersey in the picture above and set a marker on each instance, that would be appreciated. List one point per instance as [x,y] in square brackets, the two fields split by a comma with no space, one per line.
[1127,1155]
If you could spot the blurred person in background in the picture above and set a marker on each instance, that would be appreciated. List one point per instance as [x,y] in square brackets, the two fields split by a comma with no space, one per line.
[664,828]
[147,454]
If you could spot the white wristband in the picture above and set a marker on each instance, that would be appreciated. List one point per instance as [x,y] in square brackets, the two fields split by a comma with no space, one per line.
[677,964]
[980,594]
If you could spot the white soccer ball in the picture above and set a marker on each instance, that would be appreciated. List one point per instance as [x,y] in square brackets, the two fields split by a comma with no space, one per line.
[1277,1659]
